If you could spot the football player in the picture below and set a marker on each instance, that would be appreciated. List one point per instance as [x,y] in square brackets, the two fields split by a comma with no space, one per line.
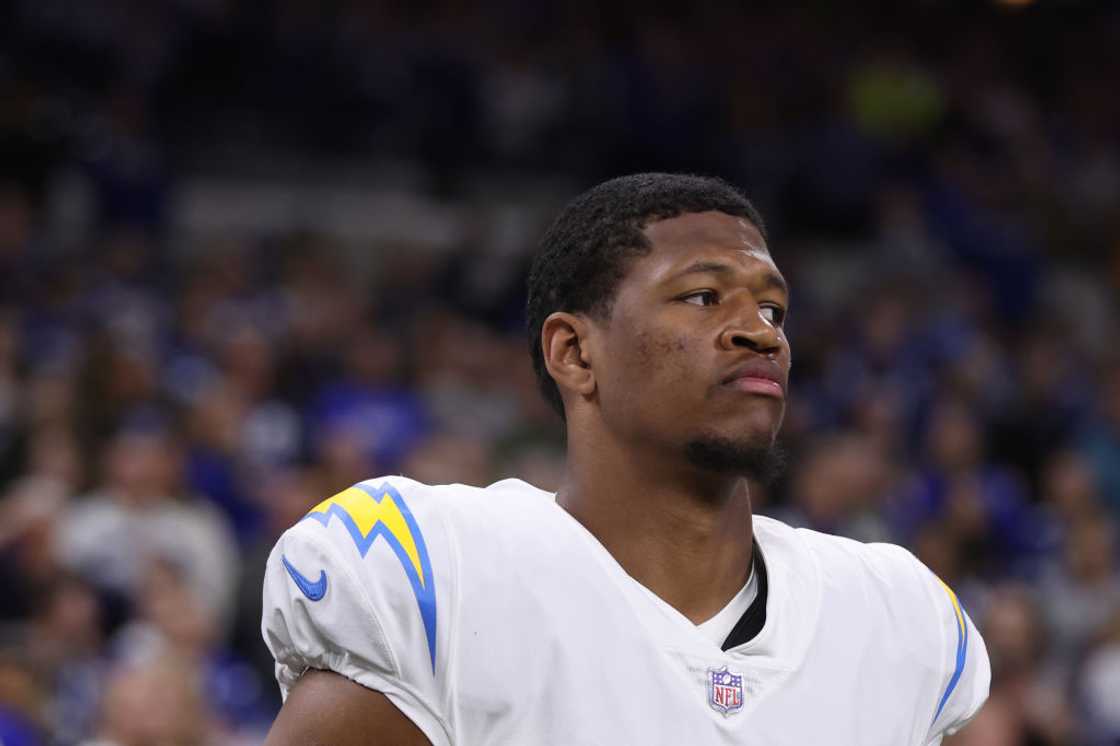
[642,603]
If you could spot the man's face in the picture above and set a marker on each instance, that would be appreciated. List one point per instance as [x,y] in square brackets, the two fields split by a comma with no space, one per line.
[693,356]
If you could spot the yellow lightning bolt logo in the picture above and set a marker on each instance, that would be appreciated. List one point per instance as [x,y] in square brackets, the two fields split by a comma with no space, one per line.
[368,512]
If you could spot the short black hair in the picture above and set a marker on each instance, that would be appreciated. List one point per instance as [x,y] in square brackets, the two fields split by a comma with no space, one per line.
[587,249]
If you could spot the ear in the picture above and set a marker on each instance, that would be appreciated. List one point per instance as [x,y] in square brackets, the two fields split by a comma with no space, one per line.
[567,354]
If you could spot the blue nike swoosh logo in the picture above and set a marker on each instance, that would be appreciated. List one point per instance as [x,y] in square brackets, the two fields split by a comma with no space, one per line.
[313,590]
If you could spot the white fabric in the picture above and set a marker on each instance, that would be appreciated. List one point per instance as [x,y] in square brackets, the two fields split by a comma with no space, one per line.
[542,638]
[719,626]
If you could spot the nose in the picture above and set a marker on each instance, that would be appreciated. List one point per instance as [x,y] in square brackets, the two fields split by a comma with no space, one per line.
[751,331]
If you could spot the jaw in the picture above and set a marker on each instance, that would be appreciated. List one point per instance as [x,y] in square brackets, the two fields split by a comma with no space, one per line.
[741,439]
[760,460]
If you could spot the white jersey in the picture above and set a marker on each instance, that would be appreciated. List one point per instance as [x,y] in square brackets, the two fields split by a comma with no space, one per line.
[491,616]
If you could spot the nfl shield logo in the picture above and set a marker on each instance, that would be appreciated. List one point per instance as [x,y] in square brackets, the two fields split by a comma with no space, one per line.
[725,690]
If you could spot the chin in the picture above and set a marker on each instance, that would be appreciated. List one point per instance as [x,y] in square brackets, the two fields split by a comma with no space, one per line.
[759,458]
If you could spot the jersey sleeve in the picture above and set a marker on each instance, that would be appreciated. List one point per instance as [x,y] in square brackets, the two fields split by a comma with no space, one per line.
[948,644]
[968,673]
[352,588]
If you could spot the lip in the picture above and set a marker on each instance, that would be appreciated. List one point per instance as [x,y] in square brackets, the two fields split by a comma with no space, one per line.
[762,377]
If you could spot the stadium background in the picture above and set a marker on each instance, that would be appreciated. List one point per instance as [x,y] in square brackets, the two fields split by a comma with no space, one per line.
[253,252]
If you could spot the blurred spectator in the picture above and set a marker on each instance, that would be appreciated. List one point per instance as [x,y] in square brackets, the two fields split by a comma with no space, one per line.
[1045,410]
[158,702]
[29,516]
[1082,592]
[447,459]
[1070,493]
[463,379]
[66,646]
[1101,438]
[369,405]
[215,460]
[839,487]
[983,506]
[1016,637]
[9,393]
[171,620]
[138,515]
[24,702]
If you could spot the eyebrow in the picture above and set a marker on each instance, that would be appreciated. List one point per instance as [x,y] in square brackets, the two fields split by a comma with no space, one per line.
[769,280]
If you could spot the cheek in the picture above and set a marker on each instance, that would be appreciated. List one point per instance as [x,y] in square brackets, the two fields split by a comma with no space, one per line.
[664,360]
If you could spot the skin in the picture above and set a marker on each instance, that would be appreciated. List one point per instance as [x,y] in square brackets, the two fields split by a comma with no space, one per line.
[638,387]
[325,709]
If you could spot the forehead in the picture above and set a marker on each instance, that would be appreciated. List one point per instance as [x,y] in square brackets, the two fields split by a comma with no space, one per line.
[690,236]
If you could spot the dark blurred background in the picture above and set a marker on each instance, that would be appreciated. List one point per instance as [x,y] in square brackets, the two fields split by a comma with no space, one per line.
[253,252]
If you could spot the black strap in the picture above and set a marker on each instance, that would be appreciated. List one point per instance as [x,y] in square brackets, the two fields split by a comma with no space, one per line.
[750,624]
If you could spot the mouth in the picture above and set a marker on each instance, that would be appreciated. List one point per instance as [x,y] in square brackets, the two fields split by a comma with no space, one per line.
[761,386]
[761,377]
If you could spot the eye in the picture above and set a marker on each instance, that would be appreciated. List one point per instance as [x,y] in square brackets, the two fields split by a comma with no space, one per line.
[701,298]
[775,315]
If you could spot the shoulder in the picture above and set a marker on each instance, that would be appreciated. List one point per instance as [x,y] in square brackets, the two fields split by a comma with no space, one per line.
[372,498]
[879,568]
[857,586]
[365,585]
[887,581]
[395,545]
[340,577]
[905,608]
[422,526]
[386,508]
[405,512]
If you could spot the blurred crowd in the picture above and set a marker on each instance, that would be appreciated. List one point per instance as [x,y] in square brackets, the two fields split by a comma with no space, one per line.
[942,188]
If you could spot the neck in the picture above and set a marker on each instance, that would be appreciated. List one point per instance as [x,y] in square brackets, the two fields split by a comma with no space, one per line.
[683,533]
